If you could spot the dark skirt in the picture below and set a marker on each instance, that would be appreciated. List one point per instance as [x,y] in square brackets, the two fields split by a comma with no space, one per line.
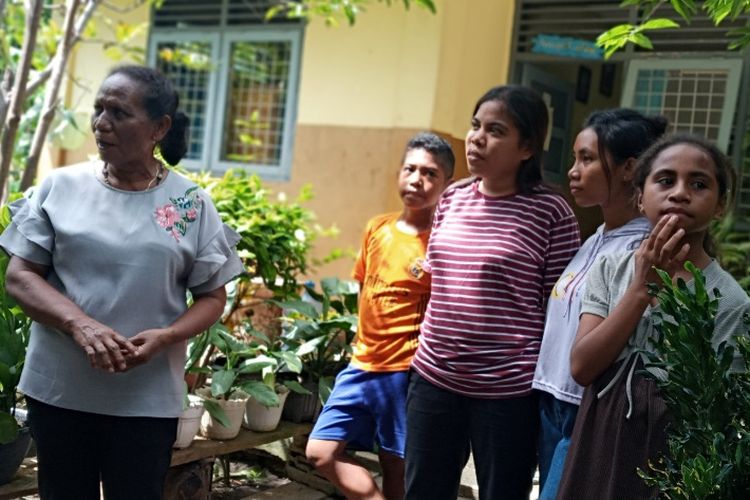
[607,448]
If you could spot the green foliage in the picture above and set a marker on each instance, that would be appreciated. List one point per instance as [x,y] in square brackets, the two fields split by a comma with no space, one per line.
[332,10]
[718,11]
[50,33]
[734,248]
[322,336]
[14,337]
[276,235]
[709,437]
[272,357]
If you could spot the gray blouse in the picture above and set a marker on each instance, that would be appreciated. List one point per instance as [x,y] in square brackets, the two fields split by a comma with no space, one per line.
[127,258]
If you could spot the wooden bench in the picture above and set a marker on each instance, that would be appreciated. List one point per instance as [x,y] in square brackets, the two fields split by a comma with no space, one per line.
[25,481]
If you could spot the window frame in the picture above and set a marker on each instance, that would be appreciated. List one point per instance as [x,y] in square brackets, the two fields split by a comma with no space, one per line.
[734,71]
[221,39]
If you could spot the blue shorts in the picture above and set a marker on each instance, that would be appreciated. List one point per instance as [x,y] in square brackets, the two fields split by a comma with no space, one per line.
[366,408]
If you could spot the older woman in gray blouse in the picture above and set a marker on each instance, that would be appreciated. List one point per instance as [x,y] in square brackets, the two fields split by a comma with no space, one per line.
[103,254]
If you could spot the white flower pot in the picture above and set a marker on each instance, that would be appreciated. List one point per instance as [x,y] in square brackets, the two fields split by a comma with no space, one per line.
[189,423]
[234,409]
[263,419]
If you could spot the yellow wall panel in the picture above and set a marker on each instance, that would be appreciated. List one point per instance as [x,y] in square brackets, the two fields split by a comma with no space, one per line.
[380,72]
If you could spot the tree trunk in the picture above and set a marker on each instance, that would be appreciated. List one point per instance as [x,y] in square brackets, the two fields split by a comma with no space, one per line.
[5,86]
[10,127]
[72,30]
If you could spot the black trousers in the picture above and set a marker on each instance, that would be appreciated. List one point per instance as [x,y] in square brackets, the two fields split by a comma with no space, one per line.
[76,450]
[443,427]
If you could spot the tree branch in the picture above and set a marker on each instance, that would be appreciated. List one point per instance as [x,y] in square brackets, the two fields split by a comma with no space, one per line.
[38,81]
[72,29]
[5,93]
[10,128]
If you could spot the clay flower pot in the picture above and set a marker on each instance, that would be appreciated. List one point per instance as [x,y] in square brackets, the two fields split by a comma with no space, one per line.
[262,418]
[234,408]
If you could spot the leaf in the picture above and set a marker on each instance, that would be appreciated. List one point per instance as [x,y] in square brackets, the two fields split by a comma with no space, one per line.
[641,40]
[221,382]
[216,411]
[685,8]
[292,360]
[257,364]
[325,387]
[309,346]
[261,393]
[295,386]
[658,24]
[304,308]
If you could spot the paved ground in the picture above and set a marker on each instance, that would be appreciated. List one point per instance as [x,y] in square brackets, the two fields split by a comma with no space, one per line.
[297,491]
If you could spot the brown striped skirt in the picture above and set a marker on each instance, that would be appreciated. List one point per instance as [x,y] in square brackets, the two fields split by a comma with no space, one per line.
[607,448]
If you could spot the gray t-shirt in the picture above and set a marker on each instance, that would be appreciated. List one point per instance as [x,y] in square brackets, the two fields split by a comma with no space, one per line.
[612,274]
[127,259]
[552,373]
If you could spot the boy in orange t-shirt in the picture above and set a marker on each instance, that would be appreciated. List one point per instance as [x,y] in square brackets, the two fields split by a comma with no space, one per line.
[368,402]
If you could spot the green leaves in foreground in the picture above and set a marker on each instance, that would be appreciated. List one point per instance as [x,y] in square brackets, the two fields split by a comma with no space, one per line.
[619,36]
[719,11]
[709,437]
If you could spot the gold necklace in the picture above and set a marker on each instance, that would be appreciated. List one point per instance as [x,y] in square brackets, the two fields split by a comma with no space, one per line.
[153,182]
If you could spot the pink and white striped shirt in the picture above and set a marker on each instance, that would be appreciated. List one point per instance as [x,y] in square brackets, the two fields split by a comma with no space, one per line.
[494,261]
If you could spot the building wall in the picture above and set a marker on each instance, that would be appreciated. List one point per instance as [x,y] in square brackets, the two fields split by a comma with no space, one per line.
[364,91]
[367,89]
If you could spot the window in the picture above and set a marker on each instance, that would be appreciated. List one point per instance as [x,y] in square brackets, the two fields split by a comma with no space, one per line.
[697,96]
[237,77]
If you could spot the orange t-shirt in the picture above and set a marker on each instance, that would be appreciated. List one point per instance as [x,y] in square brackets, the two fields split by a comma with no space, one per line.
[394,295]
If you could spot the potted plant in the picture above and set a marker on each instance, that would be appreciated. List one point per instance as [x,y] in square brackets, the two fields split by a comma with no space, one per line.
[321,334]
[225,398]
[190,420]
[267,395]
[14,336]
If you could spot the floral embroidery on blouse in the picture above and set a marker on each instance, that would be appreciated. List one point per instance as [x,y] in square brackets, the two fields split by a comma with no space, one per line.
[175,216]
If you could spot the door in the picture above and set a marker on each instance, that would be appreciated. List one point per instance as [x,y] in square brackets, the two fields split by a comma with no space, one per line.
[558,95]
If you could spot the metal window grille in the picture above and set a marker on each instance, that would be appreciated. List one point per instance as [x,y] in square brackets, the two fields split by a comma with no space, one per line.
[697,95]
[188,65]
[237,79]
[257,89]
[692,100]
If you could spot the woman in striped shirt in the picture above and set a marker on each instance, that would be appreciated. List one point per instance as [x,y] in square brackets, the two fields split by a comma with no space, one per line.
[500,241]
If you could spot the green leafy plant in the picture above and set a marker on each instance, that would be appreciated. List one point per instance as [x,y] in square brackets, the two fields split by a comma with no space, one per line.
[271,359]
[14,337]
[709,436]
[734,248]
[224,372]
[321,334]
[276,235]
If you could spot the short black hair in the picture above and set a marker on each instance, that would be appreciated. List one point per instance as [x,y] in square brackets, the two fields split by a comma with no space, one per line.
[438,147]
